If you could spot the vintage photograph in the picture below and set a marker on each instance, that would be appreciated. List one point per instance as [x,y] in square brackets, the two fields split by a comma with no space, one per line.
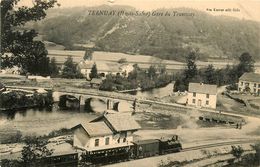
[130,83]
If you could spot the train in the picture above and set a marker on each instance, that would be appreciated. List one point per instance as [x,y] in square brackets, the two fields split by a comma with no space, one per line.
[136,150]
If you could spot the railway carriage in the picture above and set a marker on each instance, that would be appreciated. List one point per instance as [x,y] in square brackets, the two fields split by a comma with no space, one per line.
[60,160]
[146,148]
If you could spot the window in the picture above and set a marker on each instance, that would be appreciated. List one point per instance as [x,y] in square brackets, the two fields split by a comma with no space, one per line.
[124,140]
[96,142]
[258,85]
[241,83]
[207,102]
[254,84]
[107,141]
[118,141]
[193,101]
[207,96]
[194,94]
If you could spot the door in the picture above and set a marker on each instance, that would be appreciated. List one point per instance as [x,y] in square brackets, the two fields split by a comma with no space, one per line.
[199,103]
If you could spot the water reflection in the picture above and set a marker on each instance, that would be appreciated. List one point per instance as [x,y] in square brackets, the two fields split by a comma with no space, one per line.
[156,92]
[42,121]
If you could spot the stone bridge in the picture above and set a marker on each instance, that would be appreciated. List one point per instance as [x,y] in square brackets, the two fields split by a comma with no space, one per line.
[85,99]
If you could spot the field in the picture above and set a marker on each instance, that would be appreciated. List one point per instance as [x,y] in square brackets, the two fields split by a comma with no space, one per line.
[144,61]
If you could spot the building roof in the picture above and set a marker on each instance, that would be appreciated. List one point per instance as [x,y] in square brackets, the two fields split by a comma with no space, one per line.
[147,141]
[95,129]
[102,66]
[120,122]
[252,77]
[203,88]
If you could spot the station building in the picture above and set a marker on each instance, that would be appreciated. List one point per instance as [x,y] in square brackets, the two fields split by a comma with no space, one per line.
[105,132]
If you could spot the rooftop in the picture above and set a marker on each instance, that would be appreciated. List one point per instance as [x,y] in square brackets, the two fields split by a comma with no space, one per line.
[252,77]
[95,129]
[203,88]
[120,122]
[102,66]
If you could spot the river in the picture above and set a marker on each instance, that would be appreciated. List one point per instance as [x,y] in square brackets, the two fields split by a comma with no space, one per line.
[156,92]
[40,122]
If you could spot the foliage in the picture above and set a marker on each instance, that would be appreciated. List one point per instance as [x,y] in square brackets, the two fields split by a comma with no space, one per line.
[237,151]
[94,71]
[70,69]
[27,53]
[54,70]
[210,75]
[145,79]
[168,37]
[88,54]
[122,61]
[191,70]
[11,163]
[256,147]
[246,64]
[17,99]
[34,150]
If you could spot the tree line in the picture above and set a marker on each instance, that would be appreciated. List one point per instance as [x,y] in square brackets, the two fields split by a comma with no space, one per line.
[153,77]
[209,75]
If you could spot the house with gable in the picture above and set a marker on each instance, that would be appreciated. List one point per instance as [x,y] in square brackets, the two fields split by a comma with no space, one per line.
[202,95]
[249,82]
[106,131]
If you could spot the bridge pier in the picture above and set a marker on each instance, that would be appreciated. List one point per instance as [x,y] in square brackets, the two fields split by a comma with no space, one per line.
[110,104]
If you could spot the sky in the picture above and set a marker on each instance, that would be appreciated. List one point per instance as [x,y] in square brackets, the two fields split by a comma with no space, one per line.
[248,9]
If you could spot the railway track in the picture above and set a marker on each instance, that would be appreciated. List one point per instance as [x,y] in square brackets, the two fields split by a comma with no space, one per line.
[191,149]
[218,144]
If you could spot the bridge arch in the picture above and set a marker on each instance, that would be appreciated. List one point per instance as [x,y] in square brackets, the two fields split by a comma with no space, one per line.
[67,101]
[93,104]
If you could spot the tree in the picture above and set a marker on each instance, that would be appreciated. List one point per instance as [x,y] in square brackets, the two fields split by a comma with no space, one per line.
[122,61]
[94,71]
[152,72]
[27,53]
[237,152]
[34,150]
[70,69]
[210,77]
[88,54]
[191,70]
[256,147]
[54,70]
[246,64]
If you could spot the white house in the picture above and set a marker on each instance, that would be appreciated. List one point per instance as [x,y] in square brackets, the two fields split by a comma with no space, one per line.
[106,131]
[249,82]
[104,68]
[202,95]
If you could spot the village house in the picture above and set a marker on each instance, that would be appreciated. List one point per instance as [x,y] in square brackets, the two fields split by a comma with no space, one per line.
[106,131]
[250,83]
[202,95]
[95,82]
[104,68]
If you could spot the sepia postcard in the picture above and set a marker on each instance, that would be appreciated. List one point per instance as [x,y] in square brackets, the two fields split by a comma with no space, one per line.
[131,83]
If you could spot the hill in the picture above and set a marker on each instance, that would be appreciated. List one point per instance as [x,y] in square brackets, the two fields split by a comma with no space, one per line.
[214,37]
